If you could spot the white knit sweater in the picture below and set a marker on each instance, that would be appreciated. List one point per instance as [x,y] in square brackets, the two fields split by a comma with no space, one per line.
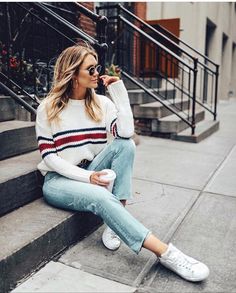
[76,137]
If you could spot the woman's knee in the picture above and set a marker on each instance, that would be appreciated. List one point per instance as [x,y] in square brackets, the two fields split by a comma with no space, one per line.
[126,145]
[101,203]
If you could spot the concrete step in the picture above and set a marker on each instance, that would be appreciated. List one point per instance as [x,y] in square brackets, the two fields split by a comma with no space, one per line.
[156,110]
[202,131]
[16,137]
[139,96]
[35,234]
[173,124]
[20,182]
[7,110]
[10,110]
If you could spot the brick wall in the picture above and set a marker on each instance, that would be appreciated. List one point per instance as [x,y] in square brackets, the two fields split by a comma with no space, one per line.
[139,9]
[86,24]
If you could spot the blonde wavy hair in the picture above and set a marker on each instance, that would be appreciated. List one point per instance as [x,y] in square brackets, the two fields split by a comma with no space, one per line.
[68,65]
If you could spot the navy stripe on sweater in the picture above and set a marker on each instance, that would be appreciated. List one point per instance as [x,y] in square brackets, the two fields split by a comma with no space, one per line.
[79,130]
[73,146]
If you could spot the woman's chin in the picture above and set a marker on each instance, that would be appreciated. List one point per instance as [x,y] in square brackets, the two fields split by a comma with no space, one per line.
[94,85]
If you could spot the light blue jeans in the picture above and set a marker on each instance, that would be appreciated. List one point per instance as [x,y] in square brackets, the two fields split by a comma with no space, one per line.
[66,193]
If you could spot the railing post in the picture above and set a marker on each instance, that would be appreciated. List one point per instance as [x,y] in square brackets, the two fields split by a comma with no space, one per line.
[118,61]
[194,94]
[216,91]
[8,37]
[102,49]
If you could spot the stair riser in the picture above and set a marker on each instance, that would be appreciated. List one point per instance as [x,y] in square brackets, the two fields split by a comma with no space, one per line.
[139,98]
[10,110]
[168,94]
[19,191]
[156,112]
[174,126]
[17,141]
[41,250]
[7,109]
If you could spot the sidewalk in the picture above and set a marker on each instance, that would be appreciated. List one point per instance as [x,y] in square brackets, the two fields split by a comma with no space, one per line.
[185,193]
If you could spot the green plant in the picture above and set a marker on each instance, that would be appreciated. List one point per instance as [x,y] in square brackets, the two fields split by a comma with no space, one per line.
[113,70]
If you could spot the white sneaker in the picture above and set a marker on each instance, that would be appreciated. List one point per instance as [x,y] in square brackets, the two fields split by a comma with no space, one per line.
[185,266]
[110,239]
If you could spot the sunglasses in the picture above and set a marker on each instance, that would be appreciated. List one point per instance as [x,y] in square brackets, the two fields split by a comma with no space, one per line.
[91,70]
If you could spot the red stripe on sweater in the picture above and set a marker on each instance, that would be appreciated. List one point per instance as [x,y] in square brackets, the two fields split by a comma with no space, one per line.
[44,146]
[114,129]
[77,138]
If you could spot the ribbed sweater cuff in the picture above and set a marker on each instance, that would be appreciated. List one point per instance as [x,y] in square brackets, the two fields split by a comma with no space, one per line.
[119,94]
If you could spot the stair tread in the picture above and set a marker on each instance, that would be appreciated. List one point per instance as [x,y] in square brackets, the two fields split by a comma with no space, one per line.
[5,96]
[22,226]
[141,90]
[25,163]
[158,104]
[14,124]
[175,118]
[201,127]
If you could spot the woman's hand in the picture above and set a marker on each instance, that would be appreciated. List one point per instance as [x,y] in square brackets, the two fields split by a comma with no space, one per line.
[109,79]
[95,179]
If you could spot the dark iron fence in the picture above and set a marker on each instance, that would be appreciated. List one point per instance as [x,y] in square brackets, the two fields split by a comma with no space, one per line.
[32,37]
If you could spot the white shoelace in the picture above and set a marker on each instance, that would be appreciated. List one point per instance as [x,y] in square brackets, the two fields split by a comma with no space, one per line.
[181,260]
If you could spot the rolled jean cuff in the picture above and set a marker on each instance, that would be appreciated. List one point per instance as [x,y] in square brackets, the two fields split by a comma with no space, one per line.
[138,246]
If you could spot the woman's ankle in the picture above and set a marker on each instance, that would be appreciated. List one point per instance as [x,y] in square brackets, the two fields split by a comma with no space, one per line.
[155,245]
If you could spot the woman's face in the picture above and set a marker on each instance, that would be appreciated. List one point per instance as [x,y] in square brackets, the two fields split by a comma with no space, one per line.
[88,74]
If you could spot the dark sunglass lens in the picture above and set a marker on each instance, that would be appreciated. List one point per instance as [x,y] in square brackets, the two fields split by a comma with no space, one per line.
[99,67]
[91,71]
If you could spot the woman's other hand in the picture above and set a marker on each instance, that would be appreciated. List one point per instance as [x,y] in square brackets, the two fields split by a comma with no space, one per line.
[95,179]
[107,80]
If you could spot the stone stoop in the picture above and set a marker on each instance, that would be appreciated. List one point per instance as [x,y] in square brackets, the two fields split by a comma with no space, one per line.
[32,232]
[20,182]
[203,130]
[36,233]
[173,124]
[16,137]
[153,119]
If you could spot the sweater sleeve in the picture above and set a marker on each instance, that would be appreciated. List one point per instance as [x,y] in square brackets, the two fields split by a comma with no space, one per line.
[49,152]
[119,117]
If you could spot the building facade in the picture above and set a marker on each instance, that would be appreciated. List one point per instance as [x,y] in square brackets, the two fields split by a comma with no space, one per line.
[208,27]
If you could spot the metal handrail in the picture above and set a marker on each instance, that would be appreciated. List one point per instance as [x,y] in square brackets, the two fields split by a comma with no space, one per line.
[6,78]
[170,33]
[154,41]
[61,20]
[162,35]
[19,100]
[46,23]
[57,8]
[95,17]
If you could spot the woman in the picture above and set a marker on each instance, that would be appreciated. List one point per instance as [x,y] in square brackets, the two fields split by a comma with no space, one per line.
[71,126]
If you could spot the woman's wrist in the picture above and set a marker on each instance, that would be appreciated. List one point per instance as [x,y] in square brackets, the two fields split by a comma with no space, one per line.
[108,80]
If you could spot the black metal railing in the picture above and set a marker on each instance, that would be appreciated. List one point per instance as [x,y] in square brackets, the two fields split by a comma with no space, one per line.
[160,63]
[33,37]
[206,71]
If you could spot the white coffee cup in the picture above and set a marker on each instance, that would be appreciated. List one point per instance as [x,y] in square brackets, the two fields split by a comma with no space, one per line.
[110,176]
